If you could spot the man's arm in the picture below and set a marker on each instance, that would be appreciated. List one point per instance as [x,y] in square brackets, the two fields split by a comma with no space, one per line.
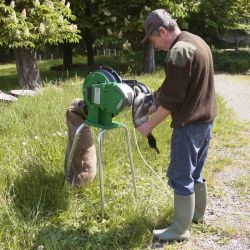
[158,116]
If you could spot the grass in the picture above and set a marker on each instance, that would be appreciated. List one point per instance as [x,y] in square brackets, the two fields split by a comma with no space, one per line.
[233,62]
[227,137]
[123,64]
[9,80]
[38,211]
[243,184]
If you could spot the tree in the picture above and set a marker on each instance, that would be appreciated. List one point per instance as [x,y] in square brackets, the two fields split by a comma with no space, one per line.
[129,27]
[105,23]
[148,58]
[67,55]
[27,25]
[88,14]
[214,17]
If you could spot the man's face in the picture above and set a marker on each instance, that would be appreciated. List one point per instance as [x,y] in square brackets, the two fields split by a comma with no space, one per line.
[160,42]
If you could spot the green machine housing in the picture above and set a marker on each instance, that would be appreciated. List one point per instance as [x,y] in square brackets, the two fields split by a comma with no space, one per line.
[105,96]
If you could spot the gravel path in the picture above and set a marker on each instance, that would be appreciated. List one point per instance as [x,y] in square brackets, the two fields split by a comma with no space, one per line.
[236,94]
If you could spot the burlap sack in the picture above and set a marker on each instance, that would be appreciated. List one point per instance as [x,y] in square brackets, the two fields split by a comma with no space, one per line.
[83,167]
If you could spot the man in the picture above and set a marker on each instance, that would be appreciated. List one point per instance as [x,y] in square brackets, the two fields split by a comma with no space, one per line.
[187,94]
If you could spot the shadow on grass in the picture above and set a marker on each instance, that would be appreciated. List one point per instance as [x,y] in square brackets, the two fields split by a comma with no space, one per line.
[8,82]
[129,235]
[37,194]
[132,232]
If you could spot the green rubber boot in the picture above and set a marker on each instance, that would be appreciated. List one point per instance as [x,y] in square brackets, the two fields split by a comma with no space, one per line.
[183,215]
[200,190]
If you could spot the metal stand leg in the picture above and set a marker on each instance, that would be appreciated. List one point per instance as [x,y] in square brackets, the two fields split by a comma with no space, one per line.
[100,165]
[73,148]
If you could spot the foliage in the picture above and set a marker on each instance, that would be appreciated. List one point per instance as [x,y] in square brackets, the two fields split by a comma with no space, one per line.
[238,16]
[33,23]
[129,25]
[215,17]
[110,25]
[232,61]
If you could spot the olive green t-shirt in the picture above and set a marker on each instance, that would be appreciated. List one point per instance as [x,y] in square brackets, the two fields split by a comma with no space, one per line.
[188,89]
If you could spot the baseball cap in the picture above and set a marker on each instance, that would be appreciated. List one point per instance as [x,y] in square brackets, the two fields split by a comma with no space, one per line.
[154,20]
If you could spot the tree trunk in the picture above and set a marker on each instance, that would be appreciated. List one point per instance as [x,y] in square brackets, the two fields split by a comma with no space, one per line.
[27,70]
[236,44]
[148,58]
[89,46]
[88,36]
[67,56]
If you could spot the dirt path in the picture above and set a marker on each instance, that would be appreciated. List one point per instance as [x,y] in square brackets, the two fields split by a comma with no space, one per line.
[236,94]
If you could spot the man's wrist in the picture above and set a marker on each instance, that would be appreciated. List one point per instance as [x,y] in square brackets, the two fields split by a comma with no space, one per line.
[157,117]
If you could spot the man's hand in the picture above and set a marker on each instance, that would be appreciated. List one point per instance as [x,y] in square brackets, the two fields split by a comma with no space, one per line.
[152,109]
[158,116]
[145,129]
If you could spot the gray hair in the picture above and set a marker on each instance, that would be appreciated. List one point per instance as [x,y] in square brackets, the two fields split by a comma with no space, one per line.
[172,24]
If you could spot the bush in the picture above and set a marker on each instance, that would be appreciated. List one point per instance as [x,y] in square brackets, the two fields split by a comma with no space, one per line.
[232,61]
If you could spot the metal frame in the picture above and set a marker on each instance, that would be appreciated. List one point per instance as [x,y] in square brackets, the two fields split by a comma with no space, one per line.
[100,163]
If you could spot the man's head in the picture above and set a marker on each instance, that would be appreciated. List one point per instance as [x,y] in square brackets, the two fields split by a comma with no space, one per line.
[161,29]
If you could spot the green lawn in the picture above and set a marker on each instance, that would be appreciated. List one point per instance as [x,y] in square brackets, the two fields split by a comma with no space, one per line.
[37,210]
[9,80]
[122,64]
[232,62]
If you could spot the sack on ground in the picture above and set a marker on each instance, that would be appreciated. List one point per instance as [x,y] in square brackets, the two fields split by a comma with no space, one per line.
[83,166]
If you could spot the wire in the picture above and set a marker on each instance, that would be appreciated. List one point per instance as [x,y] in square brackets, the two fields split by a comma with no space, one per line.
[147,164]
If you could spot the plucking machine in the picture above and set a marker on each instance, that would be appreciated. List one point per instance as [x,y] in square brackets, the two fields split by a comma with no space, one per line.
[106,94]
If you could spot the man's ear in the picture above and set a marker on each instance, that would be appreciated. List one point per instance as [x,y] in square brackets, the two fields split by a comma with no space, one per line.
[162,31]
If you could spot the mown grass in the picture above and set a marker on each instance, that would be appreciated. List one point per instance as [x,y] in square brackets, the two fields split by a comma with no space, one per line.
[38,210]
